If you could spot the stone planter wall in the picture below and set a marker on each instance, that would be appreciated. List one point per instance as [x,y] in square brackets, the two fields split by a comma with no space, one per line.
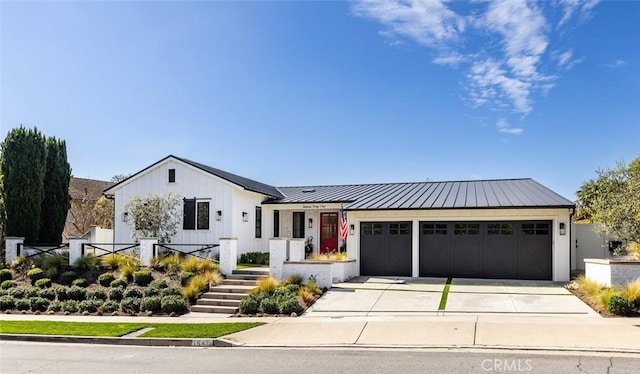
[612,271]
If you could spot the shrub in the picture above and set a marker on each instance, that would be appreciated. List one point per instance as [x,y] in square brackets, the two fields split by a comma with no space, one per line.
[135,292]
[620,305]
[39,303]
[605,296]
[80,282]
[185,276]
[173,304]
[70,306]
[51,264]
[54,306]
[213,277]
[43,283]
[22,304]
[311,287]
[96,294]
[631,291]
[48,293]
[61,293]
[266,285]
[171,263]
[90,306]
[115,294]
[105,279]
[269,305]
[127,271]
[171,291]
[293,288]
[151,291]
[159,283]
[290,305]
[152,303]
[88,262]
[35,274]
[306,296]
[296,279]
[21,265]
[77,293]
[590,287]
[189,264]
[122,283]
[7,284]
[111,261]
[5,274]
[67,277]
[7,302]
[257,258]
[19,292]
[142,277]
[205,265]
[130,304]
[249,305]
[110,306]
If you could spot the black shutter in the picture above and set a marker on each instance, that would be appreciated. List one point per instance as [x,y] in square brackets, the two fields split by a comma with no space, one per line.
[172,175]
[276,223]
[189,214]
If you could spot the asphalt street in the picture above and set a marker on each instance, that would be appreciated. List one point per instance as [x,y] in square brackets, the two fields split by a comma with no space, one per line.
[23,357]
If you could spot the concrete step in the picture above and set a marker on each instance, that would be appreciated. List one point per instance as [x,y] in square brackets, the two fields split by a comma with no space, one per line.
[246,276]
[231,289]
[239,282]
[264,272]
[214,309]
[219,302]
[225,295]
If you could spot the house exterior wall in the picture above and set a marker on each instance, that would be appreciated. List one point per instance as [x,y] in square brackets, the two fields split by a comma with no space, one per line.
[247,201]
[587,242]
[191,182]
[560,243]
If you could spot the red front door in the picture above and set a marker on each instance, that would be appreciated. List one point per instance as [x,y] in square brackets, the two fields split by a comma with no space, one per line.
[328,232]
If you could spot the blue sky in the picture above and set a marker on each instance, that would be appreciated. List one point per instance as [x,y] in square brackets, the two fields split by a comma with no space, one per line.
[303,93]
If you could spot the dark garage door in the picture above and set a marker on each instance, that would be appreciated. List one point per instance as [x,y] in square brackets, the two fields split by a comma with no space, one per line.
[385,248]
[509,250]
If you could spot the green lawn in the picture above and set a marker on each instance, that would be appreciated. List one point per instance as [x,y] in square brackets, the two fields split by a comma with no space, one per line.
[113,329]
[244,266]
[200,330]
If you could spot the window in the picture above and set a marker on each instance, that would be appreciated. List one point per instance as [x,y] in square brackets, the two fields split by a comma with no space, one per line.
[466,229]
[535,228]
[399,229]
[276,223]
[500,229]
[172,175]
[371,228]
[195,214]
[298,224]
[434,229]
[258,222]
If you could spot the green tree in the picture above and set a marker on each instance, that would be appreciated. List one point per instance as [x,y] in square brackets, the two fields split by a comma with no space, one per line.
[156,216]
[57,201]
[102,213]
[613,201]
[22,165]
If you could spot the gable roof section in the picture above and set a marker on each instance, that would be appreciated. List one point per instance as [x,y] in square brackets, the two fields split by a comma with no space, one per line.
[498,193]
[90,189]
[246,183]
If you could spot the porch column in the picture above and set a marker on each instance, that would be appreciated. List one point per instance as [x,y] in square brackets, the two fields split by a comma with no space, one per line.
[146,250]
[296,249]
[75,249]
[228,255]
[11,248]
[277,256]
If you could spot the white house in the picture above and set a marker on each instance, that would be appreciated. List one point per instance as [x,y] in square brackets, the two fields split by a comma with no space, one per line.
[510,228]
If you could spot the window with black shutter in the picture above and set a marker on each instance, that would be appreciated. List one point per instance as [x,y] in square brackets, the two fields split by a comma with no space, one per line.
[172,175]
[189,214]
[276,223]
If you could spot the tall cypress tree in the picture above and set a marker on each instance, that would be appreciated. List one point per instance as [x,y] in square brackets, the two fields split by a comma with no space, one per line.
[57,201]
[22,165]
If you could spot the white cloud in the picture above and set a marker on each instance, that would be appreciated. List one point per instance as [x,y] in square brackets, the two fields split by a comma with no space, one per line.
[616,64]
[505,128]
[502,46]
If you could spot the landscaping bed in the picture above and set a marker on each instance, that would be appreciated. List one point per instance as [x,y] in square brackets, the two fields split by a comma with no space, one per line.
[108,285]
[608,301]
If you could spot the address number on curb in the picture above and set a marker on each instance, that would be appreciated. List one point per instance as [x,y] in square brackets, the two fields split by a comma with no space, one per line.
[202,343]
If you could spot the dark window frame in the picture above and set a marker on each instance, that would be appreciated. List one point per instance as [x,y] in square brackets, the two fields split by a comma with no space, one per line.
[194,214]
[172,175]
[276,223]
[298,225]
[258,222]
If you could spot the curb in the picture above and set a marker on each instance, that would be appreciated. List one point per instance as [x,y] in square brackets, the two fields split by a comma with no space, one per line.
[226,343]
[149,342]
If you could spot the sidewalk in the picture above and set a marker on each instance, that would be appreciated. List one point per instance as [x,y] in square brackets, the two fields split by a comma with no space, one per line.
[453,331]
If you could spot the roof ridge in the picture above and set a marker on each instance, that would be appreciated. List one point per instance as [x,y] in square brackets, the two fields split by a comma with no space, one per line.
[398,183]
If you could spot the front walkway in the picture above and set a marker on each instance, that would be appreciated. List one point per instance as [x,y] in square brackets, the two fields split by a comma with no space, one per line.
[385,296]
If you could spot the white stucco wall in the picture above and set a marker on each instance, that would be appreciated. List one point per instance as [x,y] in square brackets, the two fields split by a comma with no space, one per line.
[612,272]
[587,242]
[560,243]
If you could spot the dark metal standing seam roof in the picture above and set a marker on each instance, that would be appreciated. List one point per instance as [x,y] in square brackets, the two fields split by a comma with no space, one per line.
[498,193]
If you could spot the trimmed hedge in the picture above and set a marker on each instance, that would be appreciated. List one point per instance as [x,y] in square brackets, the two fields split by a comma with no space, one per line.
[122,283]
[43,283]
[105,279]
[80,282]
[173,304]
[77,293]
[35,274]
[6,284]
[159,283]
[7,302]
[5,274]
[67,277]
[142,277]
[115,294]
[38,303]
[152,304]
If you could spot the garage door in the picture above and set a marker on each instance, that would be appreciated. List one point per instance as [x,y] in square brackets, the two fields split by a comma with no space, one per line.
[508,249]
[385,248]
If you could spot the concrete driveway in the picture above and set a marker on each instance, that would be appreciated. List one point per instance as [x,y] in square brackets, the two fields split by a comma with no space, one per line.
[385,296]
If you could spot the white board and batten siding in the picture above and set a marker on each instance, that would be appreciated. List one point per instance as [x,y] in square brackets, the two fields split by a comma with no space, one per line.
[190,183]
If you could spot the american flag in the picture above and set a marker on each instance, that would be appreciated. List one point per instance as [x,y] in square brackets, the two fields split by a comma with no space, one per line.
[344,232]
